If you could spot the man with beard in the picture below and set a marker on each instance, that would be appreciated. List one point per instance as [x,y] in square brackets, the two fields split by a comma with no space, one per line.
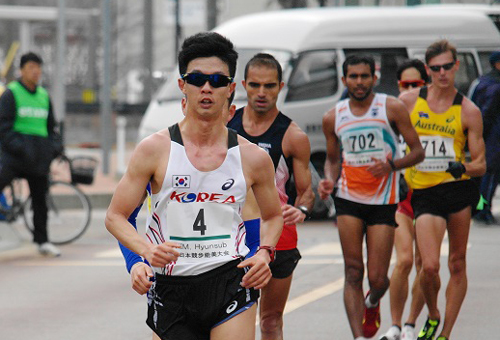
[366,127]
[262,123]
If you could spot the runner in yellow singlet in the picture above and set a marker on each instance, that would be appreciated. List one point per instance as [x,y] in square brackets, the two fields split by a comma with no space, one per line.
[442,192]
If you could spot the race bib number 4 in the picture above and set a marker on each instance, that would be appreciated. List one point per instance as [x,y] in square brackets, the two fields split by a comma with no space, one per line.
[438,152]
[362,146]
[203,229]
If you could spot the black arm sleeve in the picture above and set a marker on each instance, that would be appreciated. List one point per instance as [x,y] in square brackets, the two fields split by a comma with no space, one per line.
[10,140]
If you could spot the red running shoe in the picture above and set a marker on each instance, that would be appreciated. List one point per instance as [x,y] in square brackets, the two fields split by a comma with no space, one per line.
[371,320]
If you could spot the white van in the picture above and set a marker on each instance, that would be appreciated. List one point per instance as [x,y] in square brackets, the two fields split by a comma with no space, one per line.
[311,45]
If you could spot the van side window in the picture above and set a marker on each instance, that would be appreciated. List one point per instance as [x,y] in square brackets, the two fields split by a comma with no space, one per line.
[484,59]
[467,72]
[314,76]
[387,61]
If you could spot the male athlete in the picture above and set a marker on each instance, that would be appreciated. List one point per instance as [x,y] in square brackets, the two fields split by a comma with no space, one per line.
[442,190]
[263,124]
[366,126]
[200,173]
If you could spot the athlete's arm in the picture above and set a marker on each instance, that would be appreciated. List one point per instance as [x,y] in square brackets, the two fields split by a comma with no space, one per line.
[296,144]
[259,174]
[142,168]
[332,161]
[473,126]
[399,117]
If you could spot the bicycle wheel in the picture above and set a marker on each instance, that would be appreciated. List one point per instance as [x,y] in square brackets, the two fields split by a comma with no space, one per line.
[68,215]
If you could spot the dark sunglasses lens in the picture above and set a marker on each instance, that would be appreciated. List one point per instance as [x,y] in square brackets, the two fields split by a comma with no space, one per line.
[448,67]
[199,79]
[196,79]
[218,80]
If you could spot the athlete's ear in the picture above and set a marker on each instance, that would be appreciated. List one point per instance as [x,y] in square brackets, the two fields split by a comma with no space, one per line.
[343,81]
[182,84]
[282,84]
[244,83]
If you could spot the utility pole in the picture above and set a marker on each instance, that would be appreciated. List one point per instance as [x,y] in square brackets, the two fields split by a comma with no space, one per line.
[60,74]
[178,32]
[106,131]
[211,14]
[148,51]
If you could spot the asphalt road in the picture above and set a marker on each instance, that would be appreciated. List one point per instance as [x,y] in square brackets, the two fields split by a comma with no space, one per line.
[86,293]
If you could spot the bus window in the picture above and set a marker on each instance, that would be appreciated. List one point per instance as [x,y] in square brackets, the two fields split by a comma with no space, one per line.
[467,72]
[315,76]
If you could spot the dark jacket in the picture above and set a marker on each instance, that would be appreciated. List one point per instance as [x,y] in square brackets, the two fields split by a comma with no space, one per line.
[26,154]
[486,96]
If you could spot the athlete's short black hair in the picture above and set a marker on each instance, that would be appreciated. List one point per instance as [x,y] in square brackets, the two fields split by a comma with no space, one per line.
[206,45]
[30,56]
[267,60]
[415,63]
[359,59]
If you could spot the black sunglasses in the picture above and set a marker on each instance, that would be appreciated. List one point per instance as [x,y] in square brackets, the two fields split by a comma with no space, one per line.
[200,79]
[447,67]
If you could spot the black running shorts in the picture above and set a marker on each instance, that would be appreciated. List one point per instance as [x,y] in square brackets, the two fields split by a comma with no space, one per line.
[444,199]
[285,263]
[188,307]
[370,214]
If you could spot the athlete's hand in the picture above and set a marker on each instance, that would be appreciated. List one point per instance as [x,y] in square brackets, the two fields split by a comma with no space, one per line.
[292,215]
[456,169]
[325,188]
[379,169]
[140,273]
[162,254]
[259,274]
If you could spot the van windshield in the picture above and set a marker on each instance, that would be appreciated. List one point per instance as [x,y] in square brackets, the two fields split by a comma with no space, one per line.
[170,90]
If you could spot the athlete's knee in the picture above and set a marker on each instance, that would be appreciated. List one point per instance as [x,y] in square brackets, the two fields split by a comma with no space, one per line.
[354,274]
[404,264]
[457,265]
[271,322]
[430,268]
[378,282]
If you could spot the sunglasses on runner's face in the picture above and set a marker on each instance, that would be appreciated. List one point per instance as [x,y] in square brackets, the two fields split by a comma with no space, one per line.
[447,67]
[200,79]
[411,83]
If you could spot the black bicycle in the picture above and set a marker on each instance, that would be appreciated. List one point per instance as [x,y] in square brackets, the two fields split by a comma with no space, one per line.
[69,208]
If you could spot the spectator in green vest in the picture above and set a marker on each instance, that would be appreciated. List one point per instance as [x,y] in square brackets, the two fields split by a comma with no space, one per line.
[29,141]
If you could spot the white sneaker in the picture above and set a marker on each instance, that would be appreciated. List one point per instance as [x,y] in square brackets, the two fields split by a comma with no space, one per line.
[393,333]
[48,249]
[408,333]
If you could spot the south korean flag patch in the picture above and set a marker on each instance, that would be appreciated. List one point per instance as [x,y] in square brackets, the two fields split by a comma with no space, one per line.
[181,181]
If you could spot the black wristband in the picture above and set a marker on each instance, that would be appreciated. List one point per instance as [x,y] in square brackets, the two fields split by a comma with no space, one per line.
[391,163]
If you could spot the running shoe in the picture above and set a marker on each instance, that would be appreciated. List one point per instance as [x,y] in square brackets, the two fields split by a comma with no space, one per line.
[429,330]
[408,333]
[394,333]
[371,320]
[48,249]
[441,337]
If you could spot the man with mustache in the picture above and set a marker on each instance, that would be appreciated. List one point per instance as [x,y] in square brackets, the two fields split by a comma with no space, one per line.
[366,127]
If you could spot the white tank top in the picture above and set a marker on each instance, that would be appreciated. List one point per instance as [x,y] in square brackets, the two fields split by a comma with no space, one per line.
[200,210]
[363,139]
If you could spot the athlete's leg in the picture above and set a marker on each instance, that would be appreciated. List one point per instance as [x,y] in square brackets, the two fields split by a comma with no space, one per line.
[379,242]
[458,235]
[430,231]
[403,243]
[351,238]
[156,337]
[417,296]
[241,327]
[272,304]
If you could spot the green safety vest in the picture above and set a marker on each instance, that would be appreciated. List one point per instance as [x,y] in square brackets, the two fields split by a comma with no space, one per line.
[32,110]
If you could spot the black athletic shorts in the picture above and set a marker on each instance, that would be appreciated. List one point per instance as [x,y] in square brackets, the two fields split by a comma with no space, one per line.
[285,263]
[188,307]
[370,214]
[444,199]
